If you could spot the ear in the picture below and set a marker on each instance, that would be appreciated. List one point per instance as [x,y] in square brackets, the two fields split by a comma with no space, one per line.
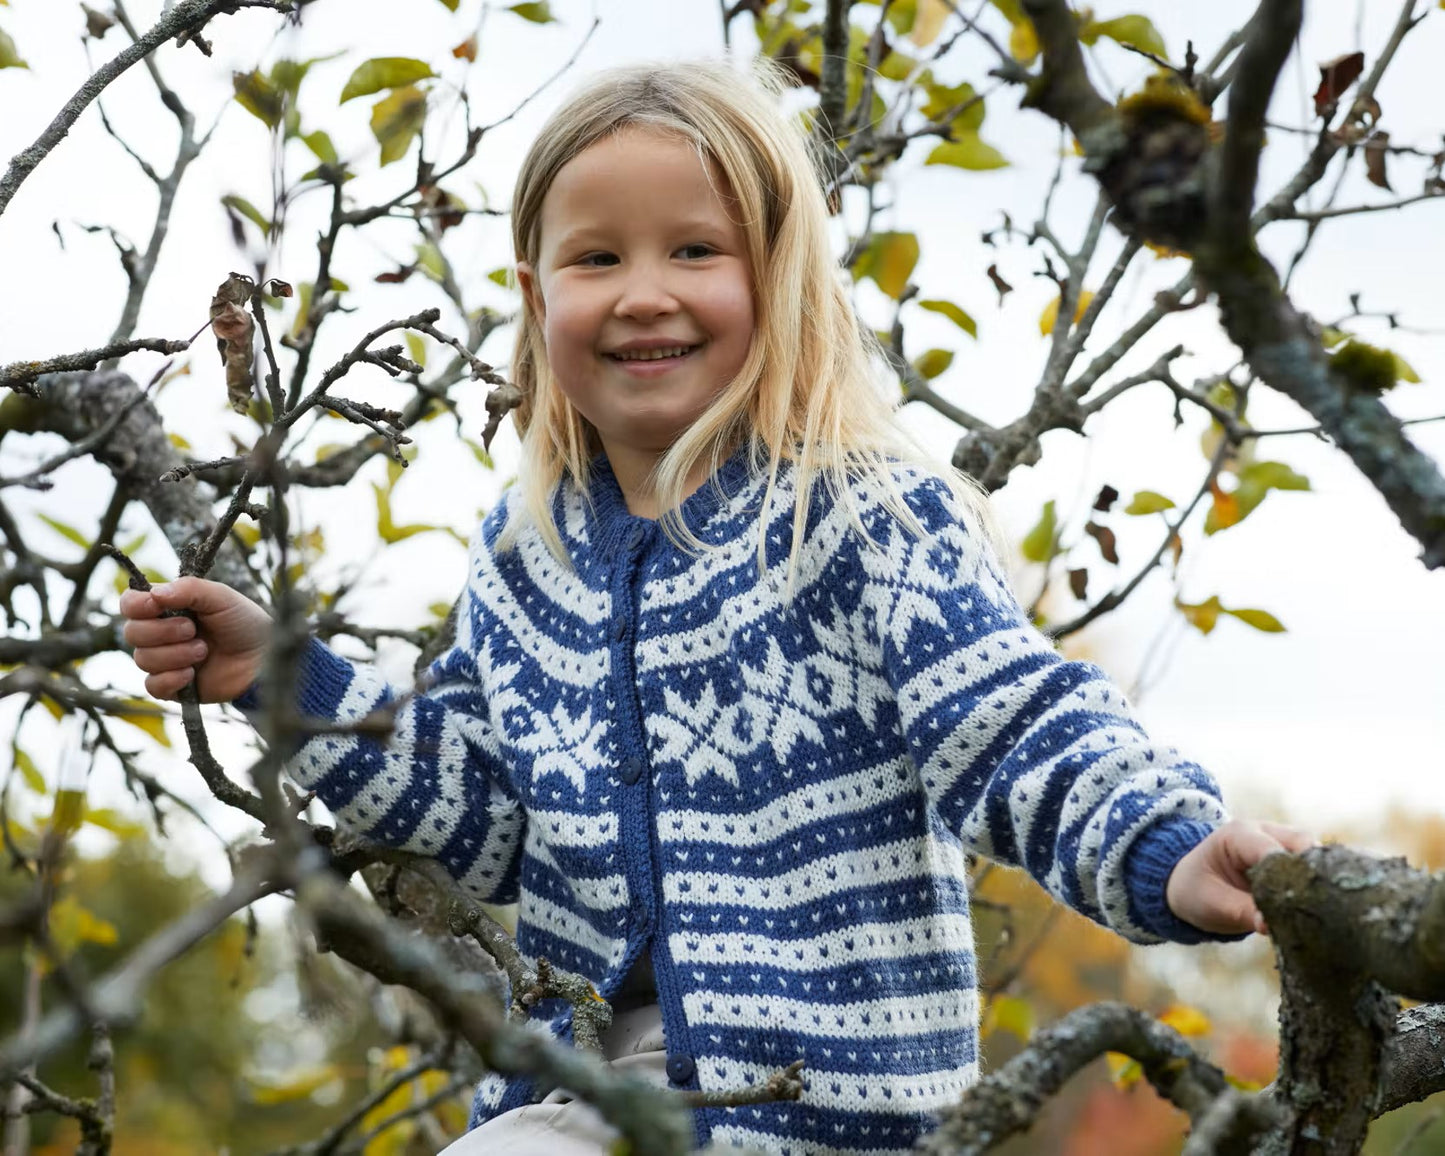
[531,290]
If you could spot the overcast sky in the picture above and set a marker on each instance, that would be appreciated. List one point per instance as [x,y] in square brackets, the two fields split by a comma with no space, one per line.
[1328,723]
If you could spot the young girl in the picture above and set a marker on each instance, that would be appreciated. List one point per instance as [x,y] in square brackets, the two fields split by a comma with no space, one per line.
[737,682]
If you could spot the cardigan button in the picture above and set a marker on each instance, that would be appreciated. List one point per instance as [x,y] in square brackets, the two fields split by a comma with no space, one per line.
[634,539]
[619,628]
[632,770]
[680,1069]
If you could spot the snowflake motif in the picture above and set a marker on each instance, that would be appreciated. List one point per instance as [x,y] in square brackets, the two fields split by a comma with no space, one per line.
[559,743]
[849,670]
[688,730]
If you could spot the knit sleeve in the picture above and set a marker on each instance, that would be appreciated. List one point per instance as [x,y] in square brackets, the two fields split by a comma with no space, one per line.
[436,785]
[1033,760]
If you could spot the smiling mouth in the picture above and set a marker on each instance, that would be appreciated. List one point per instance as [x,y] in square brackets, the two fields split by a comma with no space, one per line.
[643,356]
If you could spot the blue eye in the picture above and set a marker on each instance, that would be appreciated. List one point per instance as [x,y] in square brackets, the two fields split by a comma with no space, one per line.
[697,252]
[599,259]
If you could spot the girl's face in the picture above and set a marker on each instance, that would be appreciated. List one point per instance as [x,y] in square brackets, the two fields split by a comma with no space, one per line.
[642,287]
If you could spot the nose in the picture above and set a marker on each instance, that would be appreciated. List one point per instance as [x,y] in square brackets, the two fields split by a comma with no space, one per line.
[645,292]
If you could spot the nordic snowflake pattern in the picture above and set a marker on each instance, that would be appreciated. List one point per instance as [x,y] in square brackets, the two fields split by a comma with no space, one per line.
[652,750]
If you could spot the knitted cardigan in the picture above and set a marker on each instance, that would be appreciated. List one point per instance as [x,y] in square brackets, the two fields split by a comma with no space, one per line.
[655,750]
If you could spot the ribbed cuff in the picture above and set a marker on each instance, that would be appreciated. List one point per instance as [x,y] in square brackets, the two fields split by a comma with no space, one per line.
[322,676]
[1147,867]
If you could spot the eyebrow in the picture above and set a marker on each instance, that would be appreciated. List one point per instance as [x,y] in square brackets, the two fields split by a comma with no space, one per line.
[586,232]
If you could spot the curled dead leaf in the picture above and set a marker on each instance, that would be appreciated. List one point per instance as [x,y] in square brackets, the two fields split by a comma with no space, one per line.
[1375,153]
[500,402]
[234,329]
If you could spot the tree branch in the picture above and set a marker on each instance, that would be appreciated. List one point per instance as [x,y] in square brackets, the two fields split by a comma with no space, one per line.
[187,16]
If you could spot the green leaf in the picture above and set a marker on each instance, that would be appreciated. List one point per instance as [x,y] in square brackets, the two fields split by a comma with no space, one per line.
[396,119]
[258,96]
[502,277]
[1259,619]
[384,72]
[933,362]
[538,13]
[1258,478]
[249,211]
[416,348]
[1330,336]
[953,313]
[430,260]
[1136,31]
[942,99]
[9,55]
[66,531]
[28,771]
[479,451]
[451,5]
[1148,502]
[1042,542]
[888,261]
[320,144]
[967,152]
[386,528]
[1403,370]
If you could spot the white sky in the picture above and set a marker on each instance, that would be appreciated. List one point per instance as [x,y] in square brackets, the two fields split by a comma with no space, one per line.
[1328,723]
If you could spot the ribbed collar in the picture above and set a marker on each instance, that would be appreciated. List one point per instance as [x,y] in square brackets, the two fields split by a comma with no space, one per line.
[611,518]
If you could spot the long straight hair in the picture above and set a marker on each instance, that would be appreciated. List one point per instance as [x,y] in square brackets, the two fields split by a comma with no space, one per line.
[810,390]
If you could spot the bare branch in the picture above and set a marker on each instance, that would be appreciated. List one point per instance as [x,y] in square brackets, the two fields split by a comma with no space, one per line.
[185,17]
[19,375]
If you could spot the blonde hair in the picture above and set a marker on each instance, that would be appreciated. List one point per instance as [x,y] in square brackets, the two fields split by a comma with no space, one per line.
[809,389]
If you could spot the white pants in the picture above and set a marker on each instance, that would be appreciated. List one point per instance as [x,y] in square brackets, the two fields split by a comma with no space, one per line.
[562,1126]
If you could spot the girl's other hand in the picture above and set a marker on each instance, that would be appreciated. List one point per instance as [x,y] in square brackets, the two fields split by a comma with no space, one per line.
[1209,887]
[222,650]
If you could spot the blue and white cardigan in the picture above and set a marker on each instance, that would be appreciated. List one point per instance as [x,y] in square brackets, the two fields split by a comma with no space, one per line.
[655,751]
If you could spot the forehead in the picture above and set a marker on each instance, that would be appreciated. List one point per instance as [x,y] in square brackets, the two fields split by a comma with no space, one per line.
[636,174]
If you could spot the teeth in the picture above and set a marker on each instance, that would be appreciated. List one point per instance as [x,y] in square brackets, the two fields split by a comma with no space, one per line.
[651,354]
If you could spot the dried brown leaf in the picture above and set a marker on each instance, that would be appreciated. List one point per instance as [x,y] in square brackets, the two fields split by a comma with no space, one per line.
[1003,287]
[1106,499]
[1079,583]
[234,329]
[1105,537]
[1335,76]
[1375,153]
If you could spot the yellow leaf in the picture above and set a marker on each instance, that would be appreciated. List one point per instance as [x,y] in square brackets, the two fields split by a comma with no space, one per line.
[1023,42]
[1011,1014]
[1187,1021]
[1259,619]
[179,442]
[928,23]
[1050,316]
[1123,1070]
[1148,502]
[889,261]
[932,363]
[1042,542]
[145,717]
[416,348]
[299,1088]
[28,770]
[69,811]
[71,925]
[1201,615]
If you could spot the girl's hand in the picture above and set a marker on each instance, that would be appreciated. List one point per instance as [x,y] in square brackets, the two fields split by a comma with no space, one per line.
[222,650]
[1209,888]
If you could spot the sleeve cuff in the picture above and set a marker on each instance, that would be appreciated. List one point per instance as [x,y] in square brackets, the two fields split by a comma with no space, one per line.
[1147,867]
[322,677]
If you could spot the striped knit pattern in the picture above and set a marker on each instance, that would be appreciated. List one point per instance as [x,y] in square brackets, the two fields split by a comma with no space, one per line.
[655,749]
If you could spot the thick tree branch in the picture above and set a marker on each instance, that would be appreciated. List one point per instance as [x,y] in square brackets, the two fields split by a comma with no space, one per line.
[1007,1101]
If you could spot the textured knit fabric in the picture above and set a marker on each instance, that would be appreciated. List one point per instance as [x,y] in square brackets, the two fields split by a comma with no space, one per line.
[655,750]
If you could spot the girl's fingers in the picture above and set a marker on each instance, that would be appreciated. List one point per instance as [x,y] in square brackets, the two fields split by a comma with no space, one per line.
[169,684]
[139,604]
[1290,838]
[161,659]
[158,631]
